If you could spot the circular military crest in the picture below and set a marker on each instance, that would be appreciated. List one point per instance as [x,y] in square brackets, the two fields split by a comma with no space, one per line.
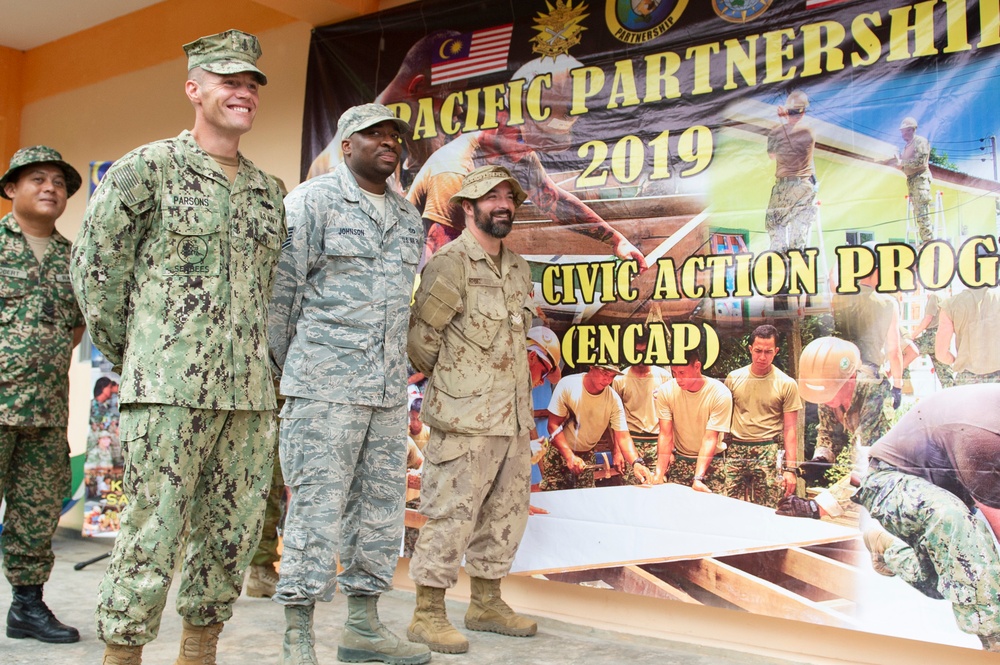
[638,21]
[192,249]
[740,11]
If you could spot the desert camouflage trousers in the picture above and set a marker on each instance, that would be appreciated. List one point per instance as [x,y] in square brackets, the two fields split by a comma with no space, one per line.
[266,553]
[790,213]
[919,188]
[751,472]
[345,467]
[187,471]
[947,552]
[474,493]
[683,468]
[34,478]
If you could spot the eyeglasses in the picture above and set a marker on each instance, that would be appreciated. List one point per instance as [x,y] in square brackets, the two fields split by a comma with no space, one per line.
[795,111]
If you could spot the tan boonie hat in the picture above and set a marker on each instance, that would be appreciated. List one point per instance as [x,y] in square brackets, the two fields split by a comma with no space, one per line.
[826,364]
[610,367]
[364,116]
[40,154]
[482,180]
[908,121]
[229,52]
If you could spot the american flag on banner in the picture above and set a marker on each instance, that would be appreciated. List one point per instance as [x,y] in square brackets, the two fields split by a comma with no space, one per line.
[472,54]
[816,4]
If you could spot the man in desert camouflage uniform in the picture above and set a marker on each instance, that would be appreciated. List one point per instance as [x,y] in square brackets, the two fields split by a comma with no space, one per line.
[40,324]
[971,319]
[468,333]
[337,326]
[173,268]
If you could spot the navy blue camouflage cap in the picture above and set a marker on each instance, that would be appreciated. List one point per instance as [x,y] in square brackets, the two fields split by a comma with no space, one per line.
[364,116]
[229,52]
[40,154]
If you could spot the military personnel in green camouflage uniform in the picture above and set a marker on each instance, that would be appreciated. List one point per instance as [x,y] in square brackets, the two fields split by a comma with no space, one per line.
[972,318]
[173,268]
[926,477]
[337,328]
[40,324]
[468,334]
[914,163]
[791,209]
[854,411]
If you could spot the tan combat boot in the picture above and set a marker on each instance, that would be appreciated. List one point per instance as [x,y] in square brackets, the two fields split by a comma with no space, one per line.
[299,644]
[262,581]
[487,612]
[122,654]
[198,644]
[878,540]
[430,623]
[366,639]
[990,642]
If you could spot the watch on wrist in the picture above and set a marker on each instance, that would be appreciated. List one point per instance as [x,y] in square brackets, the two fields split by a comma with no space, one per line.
[639,460]
[792,469]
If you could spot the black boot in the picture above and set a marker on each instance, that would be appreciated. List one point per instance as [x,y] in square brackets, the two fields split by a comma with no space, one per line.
[30,617]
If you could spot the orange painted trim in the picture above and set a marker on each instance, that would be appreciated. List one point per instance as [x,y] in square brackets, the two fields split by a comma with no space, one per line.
[136,41]
[11,71]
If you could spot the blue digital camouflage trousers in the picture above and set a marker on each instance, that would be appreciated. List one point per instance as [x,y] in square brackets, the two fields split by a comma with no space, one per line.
[195,471]
[34,478]
[345,467]
[474,492]
[945,550]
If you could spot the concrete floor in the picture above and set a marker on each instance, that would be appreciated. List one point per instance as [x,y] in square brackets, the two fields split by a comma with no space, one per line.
[254,634]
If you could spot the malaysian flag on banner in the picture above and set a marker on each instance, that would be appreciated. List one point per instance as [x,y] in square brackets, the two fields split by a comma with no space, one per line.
[815,4]
[472,54]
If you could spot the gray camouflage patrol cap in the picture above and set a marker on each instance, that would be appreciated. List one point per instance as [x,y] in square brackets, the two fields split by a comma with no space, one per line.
[364,116]
[40,154]
[610,367]
[477,183]
[229,52]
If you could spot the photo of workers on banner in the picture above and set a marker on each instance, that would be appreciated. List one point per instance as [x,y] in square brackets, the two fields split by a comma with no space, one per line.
[747,248]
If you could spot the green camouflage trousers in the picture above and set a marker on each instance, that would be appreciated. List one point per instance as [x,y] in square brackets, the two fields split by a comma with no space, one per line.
[266,553]
[186,470]
[919,188]
[969,378]
[34,478]
[752,474]
[345,467]
[683,468]
[790,213]
[947,552]
[555,475]
[925,344]
[474,493]
[645,445]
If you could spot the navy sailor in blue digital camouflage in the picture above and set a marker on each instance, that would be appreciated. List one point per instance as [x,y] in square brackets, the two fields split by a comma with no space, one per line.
[337,327]
[173,269]
[40,324]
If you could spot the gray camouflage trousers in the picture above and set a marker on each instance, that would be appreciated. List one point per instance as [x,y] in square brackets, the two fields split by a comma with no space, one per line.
[790,213]
[194,471]
[946,551]
[474,493]
[919,188]
[345,467]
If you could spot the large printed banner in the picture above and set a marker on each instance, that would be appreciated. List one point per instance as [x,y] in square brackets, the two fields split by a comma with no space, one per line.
[696,170]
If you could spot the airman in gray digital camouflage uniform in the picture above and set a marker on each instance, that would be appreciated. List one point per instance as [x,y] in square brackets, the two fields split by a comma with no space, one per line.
[468,333]
[40,323]
[173,268]
[337,327]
